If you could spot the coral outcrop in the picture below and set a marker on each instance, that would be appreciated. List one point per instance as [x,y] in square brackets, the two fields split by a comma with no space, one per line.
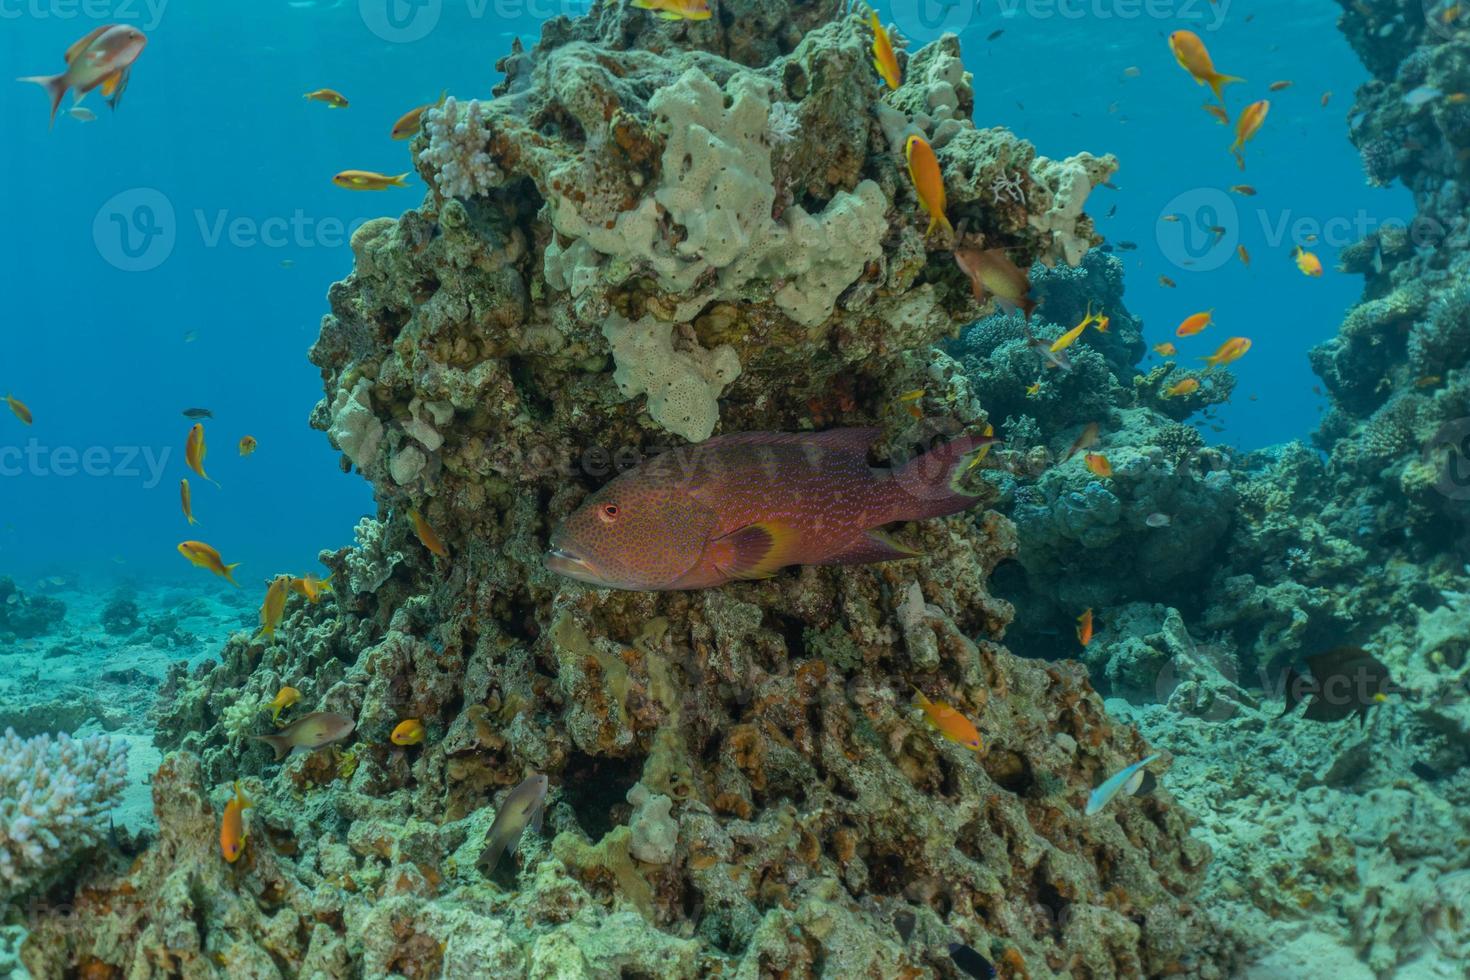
[55,793]
[656,232]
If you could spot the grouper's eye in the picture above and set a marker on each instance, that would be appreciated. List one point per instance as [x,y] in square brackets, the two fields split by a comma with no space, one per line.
[608,513]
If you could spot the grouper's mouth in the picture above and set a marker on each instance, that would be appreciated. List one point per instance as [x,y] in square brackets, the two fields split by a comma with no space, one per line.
[565,561]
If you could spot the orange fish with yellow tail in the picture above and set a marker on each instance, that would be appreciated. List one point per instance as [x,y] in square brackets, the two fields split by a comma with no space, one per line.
[1194,58]
[203,556]
[186,497]
[408,124]
[1230,351]
[1179,389]
[428,537]
[928,182]
[195,450]
[232,826]
[885,62]
[948,722]
[1247,126]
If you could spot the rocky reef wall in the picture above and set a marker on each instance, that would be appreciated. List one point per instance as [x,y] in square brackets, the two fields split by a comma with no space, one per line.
[656,232]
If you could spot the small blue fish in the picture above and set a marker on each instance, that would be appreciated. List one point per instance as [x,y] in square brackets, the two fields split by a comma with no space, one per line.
[1104,794]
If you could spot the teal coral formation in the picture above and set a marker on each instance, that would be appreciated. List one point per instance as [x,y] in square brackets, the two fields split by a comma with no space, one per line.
[621,251]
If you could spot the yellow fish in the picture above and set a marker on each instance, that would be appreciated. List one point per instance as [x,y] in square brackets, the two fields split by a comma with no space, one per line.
[274,606]
[409,732]
[1193,57]
[1232,350]
[408,124]
[928,182]
[203,556]
[675,9]
[1098,465]
[232,827]
[1034,389]
[1066,340]
[332,98]
[311,587]
[19,408]
[427,535]
[1307,262]
[1246,127]
[247,445]
[367,180]
[186,497]
[1165,350]
[284,698]
[1186,387]
[884,60]
[195,451]
[948,722]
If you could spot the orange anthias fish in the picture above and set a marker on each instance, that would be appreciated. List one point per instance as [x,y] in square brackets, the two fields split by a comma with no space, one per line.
[1245,190]
[195,450]
[992,273]
[1084,627]
[284,698]
[1165,350]
[948,722]
[408,124]
[1192,56]
[1194,323]
[409,732]
[1221,116]
[743,506]
[274,606]
[1307,262]
[203,556]
[1246,127]
[1098,465]
[247,445]
[1232,350]
[20,409]
[103,58]
[311,587]
[1245,257]
[928,182]
[428,537]
[186,497]
[330,97]
[884,60]
[1086,440]
[232,827]
[314,731]
[1186,387]
[367,180]
[675,9]
[1166,282]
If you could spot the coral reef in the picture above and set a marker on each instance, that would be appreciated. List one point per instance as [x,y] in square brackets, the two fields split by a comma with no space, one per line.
[657,232]
[25,616]
[54,793]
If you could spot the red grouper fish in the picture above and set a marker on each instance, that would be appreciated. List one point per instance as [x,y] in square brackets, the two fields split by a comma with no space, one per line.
[742,506]
[104,57]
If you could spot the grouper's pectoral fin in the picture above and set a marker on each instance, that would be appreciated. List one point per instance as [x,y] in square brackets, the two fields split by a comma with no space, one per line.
[754,551]
[871,547]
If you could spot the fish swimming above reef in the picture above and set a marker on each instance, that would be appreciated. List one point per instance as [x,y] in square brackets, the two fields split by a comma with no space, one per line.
[407,126]
[1338,684]
[195,449]
[19,409]
[992,273]
[744,506]
[369,180]
[284,698]
[274,606]
[198,413]
[1132,780]
[204,556]
[885,62]
[331,98]
[1194,58]
[524,807]
[186,498]
[103,58]
[675,9]
[307,734]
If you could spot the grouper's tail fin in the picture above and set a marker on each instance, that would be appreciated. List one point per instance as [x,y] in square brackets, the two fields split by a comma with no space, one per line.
[931,485]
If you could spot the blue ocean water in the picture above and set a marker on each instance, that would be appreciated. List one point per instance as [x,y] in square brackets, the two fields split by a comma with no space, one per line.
[176,253]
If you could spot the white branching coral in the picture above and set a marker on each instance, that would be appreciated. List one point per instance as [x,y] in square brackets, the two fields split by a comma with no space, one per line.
[53,794]
[457,151]
[782,124]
